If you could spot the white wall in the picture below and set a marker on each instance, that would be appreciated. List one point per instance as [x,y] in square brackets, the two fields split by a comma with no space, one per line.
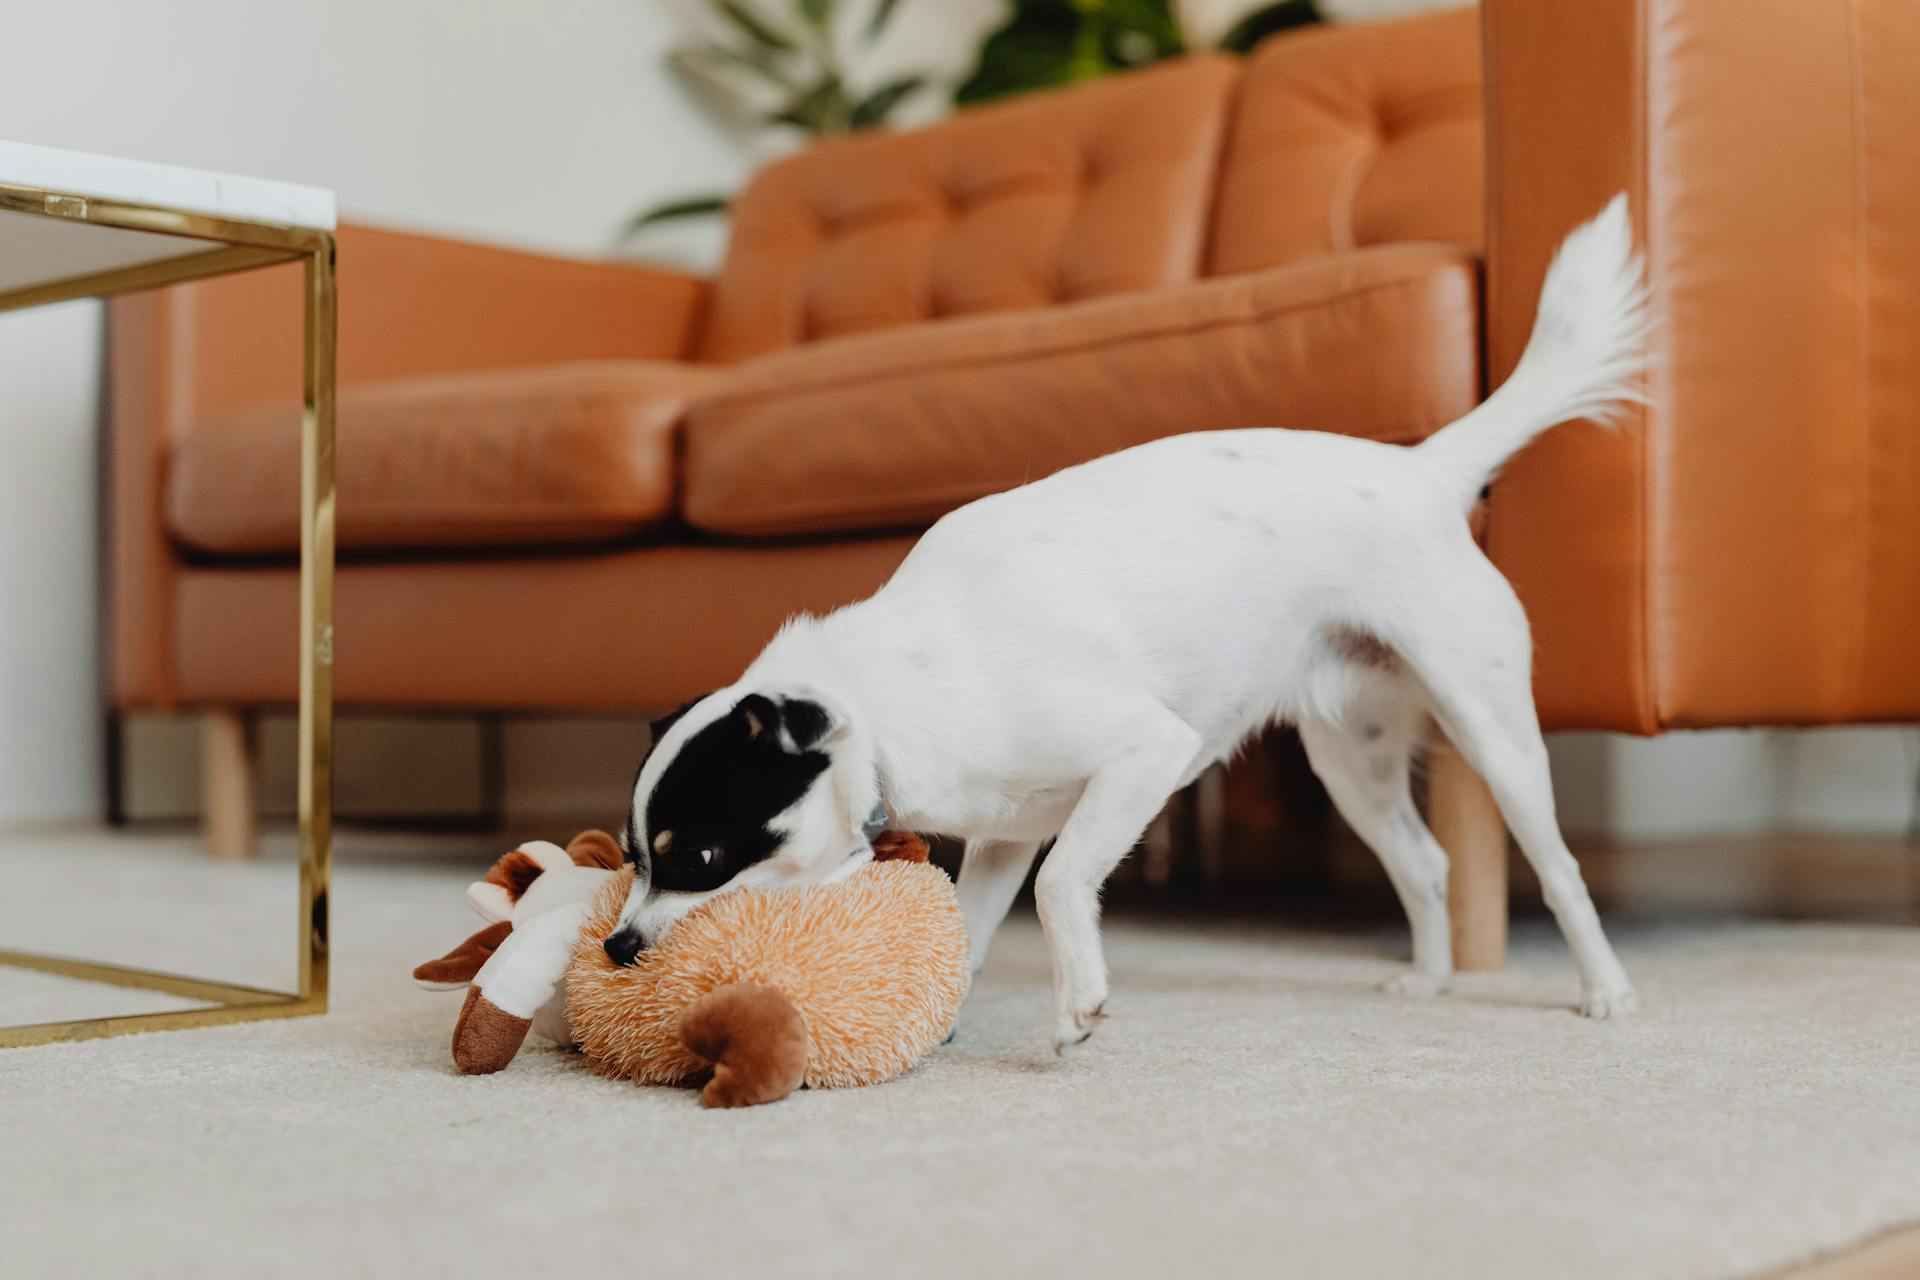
[49,687]
[535,124]
[1852,781]
[542,125]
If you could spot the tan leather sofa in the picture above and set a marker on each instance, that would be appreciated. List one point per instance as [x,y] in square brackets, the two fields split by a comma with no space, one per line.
[593,485]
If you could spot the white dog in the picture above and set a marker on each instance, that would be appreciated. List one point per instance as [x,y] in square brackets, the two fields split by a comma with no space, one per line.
[1053,662]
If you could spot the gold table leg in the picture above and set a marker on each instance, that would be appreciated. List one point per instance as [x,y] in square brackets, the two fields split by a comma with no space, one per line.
[228,1002]
[316,623]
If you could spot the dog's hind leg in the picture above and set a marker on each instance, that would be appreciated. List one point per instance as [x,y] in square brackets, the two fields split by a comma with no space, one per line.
[991,874]
[1364,760]
[1130,785]
[1470,647]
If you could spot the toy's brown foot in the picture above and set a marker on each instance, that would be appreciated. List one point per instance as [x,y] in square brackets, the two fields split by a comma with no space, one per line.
[487,1036]
[755,1039]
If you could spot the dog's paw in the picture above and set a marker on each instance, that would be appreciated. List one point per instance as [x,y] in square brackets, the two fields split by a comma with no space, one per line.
[1415,983]
[1609,1002]
[1073,1026]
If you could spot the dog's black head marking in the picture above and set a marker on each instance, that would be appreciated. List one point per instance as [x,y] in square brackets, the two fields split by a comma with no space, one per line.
[656,730]
[708,817]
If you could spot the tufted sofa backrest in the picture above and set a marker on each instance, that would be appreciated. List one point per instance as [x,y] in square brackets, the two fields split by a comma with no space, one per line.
[1323,140]
[1061,196]
[1353,136]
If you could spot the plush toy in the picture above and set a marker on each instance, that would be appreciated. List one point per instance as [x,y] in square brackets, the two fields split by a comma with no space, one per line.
[828,985]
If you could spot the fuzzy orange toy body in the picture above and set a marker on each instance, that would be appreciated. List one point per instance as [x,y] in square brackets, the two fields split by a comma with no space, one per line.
[837,984]
[847,983]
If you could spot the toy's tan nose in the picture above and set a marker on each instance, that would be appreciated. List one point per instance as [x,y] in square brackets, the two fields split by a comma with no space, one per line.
[623,945]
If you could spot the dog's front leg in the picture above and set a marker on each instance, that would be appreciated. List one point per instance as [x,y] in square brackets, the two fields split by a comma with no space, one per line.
[990,879]
[1121,797]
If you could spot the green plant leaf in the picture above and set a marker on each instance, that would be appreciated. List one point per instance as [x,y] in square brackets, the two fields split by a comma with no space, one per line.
[1152,20]
[882,14]
[820,110]
[1267,21]
[1054,42]
[674,211]
[878,105]
[708,62]
[751,25]
[1032,49]
[816,12]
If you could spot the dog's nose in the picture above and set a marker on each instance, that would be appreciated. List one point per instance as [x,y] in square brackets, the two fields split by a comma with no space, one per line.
[623,945]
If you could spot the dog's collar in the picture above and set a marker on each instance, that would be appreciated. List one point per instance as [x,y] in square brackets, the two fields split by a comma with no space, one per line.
[876,821]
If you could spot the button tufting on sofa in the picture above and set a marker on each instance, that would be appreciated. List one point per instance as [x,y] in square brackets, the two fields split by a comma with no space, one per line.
[1053,198]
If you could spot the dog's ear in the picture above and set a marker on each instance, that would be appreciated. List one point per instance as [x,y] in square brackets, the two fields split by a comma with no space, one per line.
[796,724]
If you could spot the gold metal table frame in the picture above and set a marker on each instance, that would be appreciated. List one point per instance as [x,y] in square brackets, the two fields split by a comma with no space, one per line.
[239,245]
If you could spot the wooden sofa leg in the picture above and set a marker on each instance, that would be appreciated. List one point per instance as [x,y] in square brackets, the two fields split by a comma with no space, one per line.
[228,807]
[1468,826]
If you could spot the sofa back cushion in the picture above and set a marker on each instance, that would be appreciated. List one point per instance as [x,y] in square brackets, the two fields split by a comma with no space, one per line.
[1354,136]
[892,430]
[1095,190]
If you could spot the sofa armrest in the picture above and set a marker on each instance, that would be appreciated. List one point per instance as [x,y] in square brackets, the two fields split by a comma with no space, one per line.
[1741,553]
[409,305]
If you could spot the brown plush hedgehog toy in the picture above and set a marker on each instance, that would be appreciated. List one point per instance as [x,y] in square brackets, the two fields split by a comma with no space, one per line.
[757,993]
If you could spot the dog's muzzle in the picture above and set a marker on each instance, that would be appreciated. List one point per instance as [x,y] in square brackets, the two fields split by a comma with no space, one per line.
[624,945]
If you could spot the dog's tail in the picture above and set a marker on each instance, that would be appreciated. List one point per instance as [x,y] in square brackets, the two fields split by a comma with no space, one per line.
[1580,362]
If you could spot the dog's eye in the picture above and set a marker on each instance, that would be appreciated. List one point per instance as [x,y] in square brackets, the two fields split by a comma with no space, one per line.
[707,856]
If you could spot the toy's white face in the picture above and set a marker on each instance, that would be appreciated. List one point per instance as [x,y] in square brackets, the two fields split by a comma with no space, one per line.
[740,790]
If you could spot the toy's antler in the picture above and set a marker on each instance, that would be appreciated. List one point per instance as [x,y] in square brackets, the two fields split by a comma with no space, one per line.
[899,846]
[596,849]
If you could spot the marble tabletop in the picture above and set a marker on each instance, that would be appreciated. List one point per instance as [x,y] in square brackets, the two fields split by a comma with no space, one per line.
[37,250]
[139,182]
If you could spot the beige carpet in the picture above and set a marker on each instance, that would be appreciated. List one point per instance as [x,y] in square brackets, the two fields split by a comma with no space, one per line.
[1252,1108]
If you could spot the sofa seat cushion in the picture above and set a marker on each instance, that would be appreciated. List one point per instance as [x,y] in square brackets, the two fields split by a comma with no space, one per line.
[893,429]
[567,454]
